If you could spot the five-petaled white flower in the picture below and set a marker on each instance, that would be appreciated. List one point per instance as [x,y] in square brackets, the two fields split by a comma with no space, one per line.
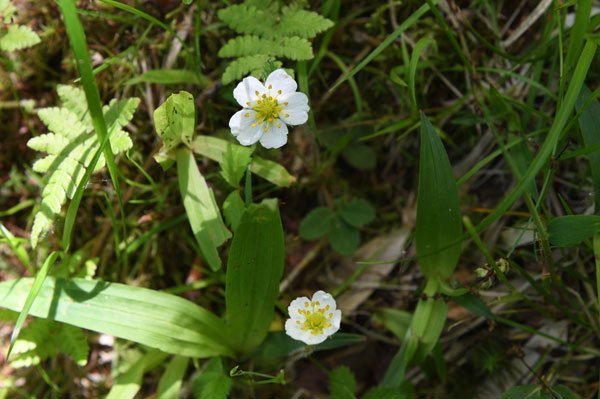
[313,320]
[267,109]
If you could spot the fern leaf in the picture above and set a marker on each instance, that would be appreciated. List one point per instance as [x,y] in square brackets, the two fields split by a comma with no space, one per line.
[72,342]
[34,344]
[294,48]
[302,23]
[71,146]
[63,122]
[246,45]
[18,37]
[7,9]
[73,99]
[244,66]
[248,19]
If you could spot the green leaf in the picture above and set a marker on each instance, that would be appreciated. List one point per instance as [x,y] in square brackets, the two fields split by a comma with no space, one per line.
[357,212]
[175,121]
[279,344]
[570,230]
[7,10]
[152,318]
[397,321]
[427,325]
[342,384]
[294,48]
[414,62]
[248,19]
[170,382]
[234,164]
[316,223]
[128,384]
[215,148]
[360,156]
[250,65]
[201,207]
[387,393]
[438,213]
[72,341]
[18,37]
[302,23]
[213,383]
[589,120]
[233,209]
[344,238]
[254,269]
[169,77]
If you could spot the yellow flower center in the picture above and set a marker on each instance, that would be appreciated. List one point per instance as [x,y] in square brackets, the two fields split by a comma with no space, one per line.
[267,109]
[316,318]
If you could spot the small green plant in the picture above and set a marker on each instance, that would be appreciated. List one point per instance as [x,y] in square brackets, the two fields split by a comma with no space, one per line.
[12,36]
[268,32]
[339,224]
[71,146]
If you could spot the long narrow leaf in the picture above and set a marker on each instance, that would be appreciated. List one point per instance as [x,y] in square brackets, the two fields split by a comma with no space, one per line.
[438,212]
[202,210]
[589,120]
[155,319]
[254,269]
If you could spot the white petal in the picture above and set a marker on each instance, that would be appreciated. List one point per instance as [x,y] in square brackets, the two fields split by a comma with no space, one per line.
[298,304]
[280,80]
[293,329]
[241,127]
[313,339]
[324,299]
[296,110]
[276,136]
[245,91]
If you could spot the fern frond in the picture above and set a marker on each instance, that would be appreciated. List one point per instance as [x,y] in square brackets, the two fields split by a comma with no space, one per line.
[34,344]
[73,99]
[302,23]
[71,146]
[63,122]
[253,65]
[244,18]
[18,37]
[294,48]
[246,45]
[72,342]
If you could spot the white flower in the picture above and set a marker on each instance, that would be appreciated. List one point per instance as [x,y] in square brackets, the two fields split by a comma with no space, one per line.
[313,320]
[267,109]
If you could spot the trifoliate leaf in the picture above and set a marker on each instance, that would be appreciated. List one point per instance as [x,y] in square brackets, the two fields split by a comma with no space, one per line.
[316,224]
[344,238]
[357,212]
[360,156]
[342,384]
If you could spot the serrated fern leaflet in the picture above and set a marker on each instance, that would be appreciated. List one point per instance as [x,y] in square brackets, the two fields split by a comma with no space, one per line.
[71,145]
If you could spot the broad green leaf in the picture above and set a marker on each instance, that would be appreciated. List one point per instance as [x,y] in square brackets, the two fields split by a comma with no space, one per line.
[169,77]
[254,269]
[215,149]
[233,209]
[344,238]
[589,121]
[357,212]
[360,156]
[316,223]
[570,230]
[170,382]
[213,383]
[438,213]
[201,207]
[175,121]
[36,286]
[128,384]
[234,164]
[342,384]
[152,318]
